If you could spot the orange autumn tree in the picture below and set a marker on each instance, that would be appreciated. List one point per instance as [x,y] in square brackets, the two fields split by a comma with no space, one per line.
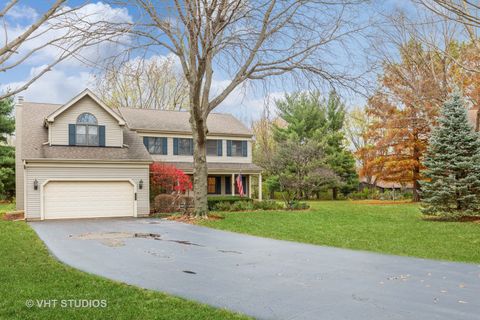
[405,107]
[467,72]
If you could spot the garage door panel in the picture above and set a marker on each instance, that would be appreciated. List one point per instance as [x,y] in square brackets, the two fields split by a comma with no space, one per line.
[88,199]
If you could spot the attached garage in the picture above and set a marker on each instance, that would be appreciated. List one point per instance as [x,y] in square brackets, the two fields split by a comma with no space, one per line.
[88,199]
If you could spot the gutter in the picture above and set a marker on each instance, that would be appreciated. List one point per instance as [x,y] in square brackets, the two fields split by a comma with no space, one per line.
[240,135]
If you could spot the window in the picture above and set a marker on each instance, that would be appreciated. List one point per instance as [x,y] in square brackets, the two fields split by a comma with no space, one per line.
[214,185]
[182,146]
[87,130]
[237,148]
[212,188]
[214,148]
[156,145]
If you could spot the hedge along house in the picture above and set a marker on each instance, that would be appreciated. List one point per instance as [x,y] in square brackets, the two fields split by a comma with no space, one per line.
[84,159]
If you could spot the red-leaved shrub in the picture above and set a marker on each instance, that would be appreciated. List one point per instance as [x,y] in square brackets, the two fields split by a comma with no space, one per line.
[168,179]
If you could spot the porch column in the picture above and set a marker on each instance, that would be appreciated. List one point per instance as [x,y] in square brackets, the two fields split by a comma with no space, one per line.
[233,184]
[249,185]
[260,186]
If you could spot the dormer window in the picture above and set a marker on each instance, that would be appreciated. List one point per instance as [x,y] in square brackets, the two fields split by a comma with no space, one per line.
[87,130]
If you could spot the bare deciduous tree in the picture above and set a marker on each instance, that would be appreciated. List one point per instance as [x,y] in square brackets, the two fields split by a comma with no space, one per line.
[463,11]
[153,83]
[244,41]
[61,30]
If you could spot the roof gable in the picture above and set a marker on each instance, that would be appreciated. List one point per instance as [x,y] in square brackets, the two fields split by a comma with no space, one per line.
[51,117]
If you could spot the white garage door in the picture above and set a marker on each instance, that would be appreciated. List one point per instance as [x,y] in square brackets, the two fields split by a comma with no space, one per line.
[88,199]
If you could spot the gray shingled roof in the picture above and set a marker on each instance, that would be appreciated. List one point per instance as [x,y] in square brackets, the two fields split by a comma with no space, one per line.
[34,136]
[178,121]
[220,167]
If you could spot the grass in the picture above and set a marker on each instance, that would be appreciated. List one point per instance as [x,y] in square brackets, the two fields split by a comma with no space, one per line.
[392,228]
[27,271]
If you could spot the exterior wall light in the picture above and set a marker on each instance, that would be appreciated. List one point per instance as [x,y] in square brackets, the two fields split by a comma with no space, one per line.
[35,184]
[140,184]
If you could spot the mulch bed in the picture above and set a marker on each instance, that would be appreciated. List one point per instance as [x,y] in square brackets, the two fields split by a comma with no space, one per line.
[192,220]
[14,215]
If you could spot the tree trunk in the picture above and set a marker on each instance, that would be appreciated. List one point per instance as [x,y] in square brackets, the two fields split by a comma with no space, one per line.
[272,194]
[416,175]
[200,172]
[334,193]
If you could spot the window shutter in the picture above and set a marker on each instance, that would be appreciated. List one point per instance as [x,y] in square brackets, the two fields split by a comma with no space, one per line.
[72,135]
[164,146]
[244,148]
[229,148]
[244,182]
[191,146]
[175,146]
[219,148]
[145,142]
[218,185]
[101,136]
[228,185]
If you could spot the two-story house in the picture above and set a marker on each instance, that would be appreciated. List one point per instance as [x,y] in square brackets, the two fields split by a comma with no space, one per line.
[84,159]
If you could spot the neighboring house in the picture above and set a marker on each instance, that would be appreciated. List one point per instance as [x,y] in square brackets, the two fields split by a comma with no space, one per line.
[382,186]
[84,159]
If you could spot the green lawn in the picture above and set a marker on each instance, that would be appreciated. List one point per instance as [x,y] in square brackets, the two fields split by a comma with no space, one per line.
[27,271]
[395,229]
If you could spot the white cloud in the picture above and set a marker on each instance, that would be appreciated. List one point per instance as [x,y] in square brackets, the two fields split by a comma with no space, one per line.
[22,12]
[70,76]
[92,16]
[55,86]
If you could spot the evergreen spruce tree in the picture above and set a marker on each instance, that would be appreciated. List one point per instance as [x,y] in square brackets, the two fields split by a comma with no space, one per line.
[452,162]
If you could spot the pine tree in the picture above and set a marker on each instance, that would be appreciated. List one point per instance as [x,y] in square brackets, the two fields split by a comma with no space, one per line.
[452,164]
[311,118]
[7,153]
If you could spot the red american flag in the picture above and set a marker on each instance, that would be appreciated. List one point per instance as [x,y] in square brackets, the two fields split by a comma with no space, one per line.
[240,185]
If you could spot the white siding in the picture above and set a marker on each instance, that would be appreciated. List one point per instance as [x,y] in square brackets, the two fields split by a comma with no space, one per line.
[58,130]
[170,157]
[43,172]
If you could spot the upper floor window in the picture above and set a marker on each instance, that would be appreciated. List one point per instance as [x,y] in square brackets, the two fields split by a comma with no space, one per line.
[214,148]
[156,145]
[237,148]
[183,146]
[87,130]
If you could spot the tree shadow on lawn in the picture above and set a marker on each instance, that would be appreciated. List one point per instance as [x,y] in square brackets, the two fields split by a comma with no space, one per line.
[472,219]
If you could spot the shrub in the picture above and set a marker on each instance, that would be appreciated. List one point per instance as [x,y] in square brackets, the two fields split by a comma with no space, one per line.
[366,193]
[247,205]
[167,179]
[267,205]
[164,203]
[297,205]
[242,206]
[223,206]
[374,194]
[184,204]
[213,201]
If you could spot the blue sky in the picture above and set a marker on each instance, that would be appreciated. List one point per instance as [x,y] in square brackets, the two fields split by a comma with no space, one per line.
[71,77]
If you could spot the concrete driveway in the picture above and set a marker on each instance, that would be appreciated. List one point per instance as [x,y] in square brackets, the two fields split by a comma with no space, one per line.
[264,278]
